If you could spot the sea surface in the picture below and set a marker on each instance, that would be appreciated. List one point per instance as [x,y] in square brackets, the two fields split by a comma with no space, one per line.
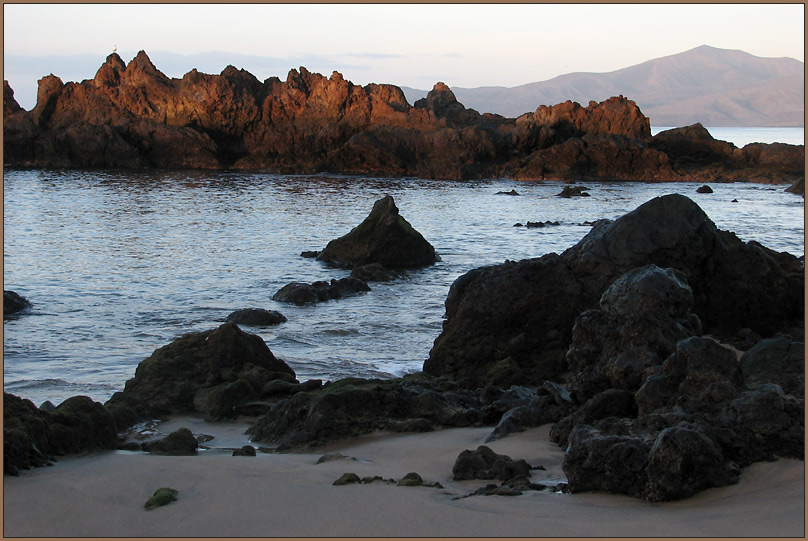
[118,264]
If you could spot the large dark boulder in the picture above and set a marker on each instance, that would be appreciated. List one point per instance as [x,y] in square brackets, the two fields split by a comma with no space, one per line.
[514,321]
[483,463]
[778,360]
[199,372]
[256,317]
[32,437]
[384,237]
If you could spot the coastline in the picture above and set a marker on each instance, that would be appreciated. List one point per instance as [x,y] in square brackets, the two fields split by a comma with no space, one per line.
[102,494]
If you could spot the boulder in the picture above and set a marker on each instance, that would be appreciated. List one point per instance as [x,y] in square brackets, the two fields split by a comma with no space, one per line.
[321,291]
[13,302]
[704,189]
[483,463]
[778,360]
[384,237]
[32,437]
[574,191]
[375,272]
[256,317]
[181,442]
[225,364]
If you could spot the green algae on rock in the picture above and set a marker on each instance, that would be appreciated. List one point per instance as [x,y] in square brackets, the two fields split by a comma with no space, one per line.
[162,496]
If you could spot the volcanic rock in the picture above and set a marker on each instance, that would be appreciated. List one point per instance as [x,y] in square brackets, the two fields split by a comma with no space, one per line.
[181,442]
[210,372]
[257,317]
[133,116]
[31,437]
[483,463]
[13,302]
[384,237]
[320,291]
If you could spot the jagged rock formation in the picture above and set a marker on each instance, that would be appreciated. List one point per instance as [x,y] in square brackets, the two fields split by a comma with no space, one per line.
[132,115]
[384,237]
[512,323]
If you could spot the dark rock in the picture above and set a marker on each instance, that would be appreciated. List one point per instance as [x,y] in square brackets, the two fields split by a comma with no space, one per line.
[574,191]
[644,313]
[181,376]
[281,387]
[798,187]
[181,442]
[247,450]
[257,317]
[347,479]
[224,400]
[704,189]
[31,437]
[412,479]
[13,303]
[375,272]
[354,406]
[493,313]
[162,496]
[617,403]
[512,192]
[384,237]
[776,360]
[483,463]
[301,293]
[310,254]
[540,224]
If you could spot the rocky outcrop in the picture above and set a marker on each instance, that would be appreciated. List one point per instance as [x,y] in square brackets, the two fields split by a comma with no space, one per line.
[512,323]
[213,372]
[384,237]
[132,115]
[33,437]
[483,463]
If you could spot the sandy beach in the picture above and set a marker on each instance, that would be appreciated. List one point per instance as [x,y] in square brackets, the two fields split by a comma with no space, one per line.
[282,495]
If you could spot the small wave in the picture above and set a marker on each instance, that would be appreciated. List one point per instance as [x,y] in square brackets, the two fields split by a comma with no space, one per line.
[27,384]
[340,332]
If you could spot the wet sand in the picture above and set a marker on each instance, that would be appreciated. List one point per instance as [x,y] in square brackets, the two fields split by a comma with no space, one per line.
[282,495]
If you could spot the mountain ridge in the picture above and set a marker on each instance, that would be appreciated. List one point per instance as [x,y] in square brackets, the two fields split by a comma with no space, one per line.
[716,87]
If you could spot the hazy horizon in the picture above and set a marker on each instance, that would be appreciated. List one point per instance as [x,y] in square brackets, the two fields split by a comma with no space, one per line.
[412,45]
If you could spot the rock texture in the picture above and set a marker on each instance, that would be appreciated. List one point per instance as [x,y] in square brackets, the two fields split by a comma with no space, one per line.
[132,115]
[320,291]
[213,372]
[33,437]
[384,237]
[513,322]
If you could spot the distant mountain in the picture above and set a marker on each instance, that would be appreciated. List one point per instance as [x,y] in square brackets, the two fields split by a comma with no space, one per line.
[716,87]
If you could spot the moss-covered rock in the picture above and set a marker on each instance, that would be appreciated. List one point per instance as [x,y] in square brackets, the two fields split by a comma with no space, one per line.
[31,436]
[162,496]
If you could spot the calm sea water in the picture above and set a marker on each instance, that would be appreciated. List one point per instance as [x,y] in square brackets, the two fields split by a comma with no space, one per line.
[119,264]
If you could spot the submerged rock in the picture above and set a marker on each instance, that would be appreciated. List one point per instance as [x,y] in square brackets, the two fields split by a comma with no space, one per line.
[320,291]
[384,237]
[574,191]
[13,302]
[256,317]
[704,189]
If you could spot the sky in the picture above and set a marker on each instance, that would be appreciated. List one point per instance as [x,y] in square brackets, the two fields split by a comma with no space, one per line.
[414,45]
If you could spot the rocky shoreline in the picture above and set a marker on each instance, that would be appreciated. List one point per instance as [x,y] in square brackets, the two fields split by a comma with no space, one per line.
[133,116]
[668,355]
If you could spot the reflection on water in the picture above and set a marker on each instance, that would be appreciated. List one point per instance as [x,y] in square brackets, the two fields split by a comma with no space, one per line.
[118,264]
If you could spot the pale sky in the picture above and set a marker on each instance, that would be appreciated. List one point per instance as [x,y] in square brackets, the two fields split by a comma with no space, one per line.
[415,45]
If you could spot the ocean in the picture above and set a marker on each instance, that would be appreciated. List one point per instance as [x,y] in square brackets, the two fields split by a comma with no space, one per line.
[118,264]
